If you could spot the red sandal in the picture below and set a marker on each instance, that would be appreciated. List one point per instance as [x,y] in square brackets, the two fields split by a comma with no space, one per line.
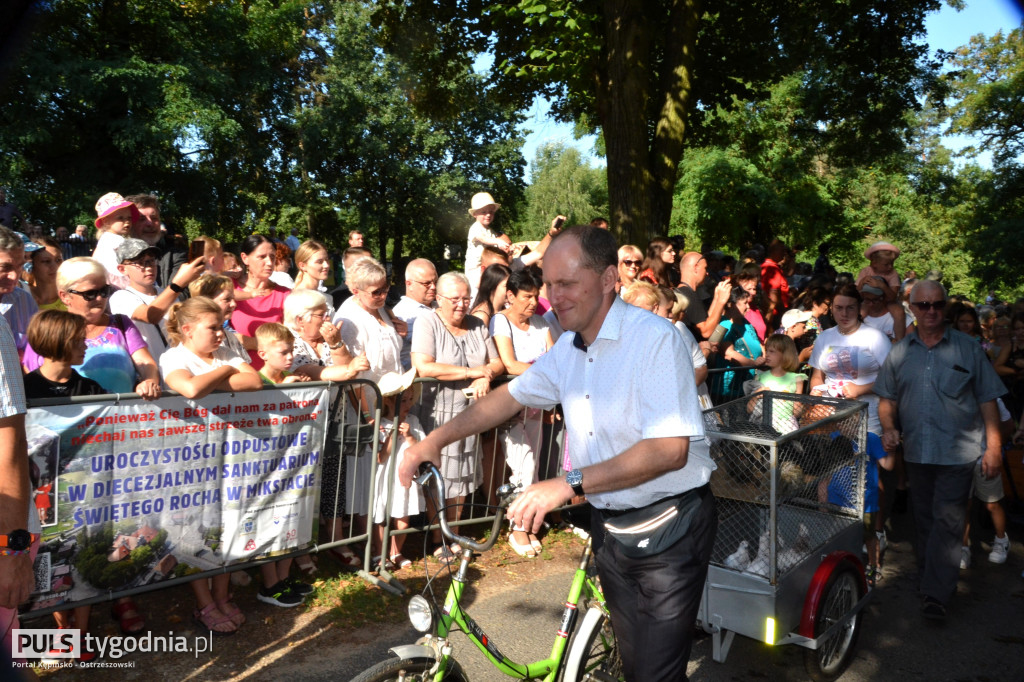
[127,615]
[207,617]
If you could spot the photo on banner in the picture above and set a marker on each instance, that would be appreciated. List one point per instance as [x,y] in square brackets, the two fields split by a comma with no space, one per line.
[132,493]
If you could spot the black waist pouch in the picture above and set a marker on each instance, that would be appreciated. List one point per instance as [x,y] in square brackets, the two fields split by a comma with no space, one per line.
[650,530]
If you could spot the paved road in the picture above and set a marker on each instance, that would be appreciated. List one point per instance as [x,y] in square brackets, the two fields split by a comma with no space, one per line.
[983,638]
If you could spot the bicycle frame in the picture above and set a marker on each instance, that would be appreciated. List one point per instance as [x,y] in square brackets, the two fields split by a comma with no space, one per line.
[453,616]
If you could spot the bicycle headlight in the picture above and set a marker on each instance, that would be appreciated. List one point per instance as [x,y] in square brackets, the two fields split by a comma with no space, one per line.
[420,613]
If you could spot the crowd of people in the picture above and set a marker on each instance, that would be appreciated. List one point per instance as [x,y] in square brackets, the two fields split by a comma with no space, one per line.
[136,310]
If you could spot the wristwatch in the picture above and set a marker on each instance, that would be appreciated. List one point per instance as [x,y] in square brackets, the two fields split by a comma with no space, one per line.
[575,479]
[17,540]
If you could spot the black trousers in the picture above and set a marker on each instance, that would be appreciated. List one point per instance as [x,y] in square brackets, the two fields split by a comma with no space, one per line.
[938,496]
[654,600]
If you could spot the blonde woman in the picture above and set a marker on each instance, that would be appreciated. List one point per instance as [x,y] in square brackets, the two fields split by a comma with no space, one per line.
[116,354]
[313,264]
[630,260]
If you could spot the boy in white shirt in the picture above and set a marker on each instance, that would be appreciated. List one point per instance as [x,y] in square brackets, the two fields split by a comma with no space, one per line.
[141,299]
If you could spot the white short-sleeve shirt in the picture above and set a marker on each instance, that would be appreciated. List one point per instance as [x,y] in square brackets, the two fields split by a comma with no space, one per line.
[362,333]
[179,357]
[633,383]
[125,302]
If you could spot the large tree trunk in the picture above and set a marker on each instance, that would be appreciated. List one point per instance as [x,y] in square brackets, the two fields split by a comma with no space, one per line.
[642,163]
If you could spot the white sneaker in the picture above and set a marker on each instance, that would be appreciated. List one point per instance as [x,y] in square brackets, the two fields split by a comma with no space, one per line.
[1000,548]
[965,557]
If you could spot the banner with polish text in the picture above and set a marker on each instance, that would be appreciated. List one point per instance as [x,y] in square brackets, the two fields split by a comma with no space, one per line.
[131,493]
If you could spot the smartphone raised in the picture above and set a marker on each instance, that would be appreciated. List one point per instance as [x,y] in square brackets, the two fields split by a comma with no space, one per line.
[197,249]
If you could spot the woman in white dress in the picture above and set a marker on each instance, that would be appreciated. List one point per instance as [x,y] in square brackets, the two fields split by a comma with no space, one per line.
[366,329]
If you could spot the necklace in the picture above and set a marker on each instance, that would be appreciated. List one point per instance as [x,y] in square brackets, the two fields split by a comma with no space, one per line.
[847,333]
[454,331]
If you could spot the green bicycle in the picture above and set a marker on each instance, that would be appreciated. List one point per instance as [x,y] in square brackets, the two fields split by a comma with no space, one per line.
[584,649]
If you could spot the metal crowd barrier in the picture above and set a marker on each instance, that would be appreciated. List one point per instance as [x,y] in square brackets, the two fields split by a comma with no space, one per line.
[349,467]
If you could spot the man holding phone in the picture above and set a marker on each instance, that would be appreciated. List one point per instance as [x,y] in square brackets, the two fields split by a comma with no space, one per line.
[702,320]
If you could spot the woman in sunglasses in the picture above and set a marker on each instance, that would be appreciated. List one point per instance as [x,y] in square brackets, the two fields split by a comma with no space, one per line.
[116,355]
[630,259]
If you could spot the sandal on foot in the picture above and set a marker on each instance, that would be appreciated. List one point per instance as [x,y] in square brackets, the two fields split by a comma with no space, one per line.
[400,561]
[523,549]
[231,610]
[535,543]
[128,617]
[347,558]
[375,564]
[306,564]
[211,618]
[445,555]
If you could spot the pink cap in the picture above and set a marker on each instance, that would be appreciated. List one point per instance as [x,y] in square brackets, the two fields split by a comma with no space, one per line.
[111,202]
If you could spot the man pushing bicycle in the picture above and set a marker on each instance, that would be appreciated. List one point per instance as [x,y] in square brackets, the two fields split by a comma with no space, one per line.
[636,442]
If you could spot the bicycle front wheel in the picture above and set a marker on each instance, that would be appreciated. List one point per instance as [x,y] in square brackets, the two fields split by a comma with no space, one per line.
[412,669]
[593,650]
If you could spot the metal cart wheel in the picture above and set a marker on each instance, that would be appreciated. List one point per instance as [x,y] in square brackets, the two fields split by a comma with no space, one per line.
[836,599]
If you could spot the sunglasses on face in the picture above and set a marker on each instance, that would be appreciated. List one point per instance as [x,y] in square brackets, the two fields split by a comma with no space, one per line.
[928,305]
[92,294]
[633,263]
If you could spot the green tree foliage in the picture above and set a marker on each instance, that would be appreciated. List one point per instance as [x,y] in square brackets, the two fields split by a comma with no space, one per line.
[986,99]
[563,183]
[644,73]
[987,85]
[180,98]
[765,180]
[243,115]
[405,176]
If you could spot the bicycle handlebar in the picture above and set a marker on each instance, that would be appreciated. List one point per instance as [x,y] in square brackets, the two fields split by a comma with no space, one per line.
[506,493]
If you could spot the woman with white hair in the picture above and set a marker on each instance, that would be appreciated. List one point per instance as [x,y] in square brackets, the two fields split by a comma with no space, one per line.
[116,355]
[366,329]
[454,347]
[366,326]
[317,341]
[320,354]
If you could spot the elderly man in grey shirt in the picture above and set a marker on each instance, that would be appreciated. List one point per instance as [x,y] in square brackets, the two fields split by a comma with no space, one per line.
[939,386]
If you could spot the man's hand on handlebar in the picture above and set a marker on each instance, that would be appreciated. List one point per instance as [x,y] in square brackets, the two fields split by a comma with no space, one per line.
[417,454]
[534,503]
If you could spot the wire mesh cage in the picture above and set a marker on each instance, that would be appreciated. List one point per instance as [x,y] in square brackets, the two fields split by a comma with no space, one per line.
[790,476]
